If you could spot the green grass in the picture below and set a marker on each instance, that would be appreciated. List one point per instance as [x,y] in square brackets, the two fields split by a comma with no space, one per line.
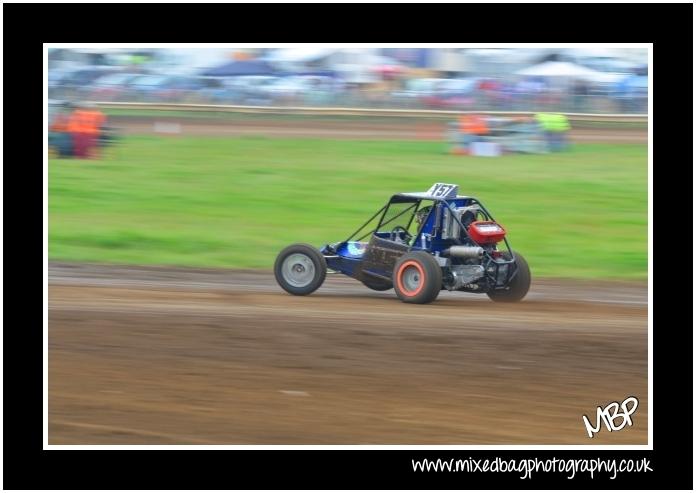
[235,202]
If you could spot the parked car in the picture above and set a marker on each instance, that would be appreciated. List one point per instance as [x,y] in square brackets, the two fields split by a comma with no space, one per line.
[297,88]
[71,83]
[179,88]
[451,94]
[82,78]
[417,91]
[56,77]
[250,89]
[111,87]
[164,87]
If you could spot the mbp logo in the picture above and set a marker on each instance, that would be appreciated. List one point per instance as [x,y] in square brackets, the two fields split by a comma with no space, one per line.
[609,415]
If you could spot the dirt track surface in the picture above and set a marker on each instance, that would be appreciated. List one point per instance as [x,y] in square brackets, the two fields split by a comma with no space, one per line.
[194,356]
[408,130]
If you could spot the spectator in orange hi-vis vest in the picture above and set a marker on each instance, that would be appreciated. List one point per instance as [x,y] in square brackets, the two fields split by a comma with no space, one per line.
[473,125]
[60,122]
[85,125]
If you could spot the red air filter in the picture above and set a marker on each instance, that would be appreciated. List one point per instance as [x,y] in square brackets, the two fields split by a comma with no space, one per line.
[486,232]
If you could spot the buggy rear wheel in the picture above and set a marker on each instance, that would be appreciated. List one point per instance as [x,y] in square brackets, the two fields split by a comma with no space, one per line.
[518,287]
[417,278]
[300,269]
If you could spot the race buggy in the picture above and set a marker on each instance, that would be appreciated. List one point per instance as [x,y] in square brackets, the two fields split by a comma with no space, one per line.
[418,244]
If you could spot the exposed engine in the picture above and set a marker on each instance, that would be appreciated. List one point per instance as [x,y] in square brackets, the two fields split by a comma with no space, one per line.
[463,264]
[458,276]
[462,251]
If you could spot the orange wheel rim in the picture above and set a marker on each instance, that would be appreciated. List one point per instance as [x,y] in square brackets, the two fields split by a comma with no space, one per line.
[403,269]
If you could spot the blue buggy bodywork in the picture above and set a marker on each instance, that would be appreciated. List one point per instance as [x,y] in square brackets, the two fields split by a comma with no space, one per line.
[369,255]
[418,244]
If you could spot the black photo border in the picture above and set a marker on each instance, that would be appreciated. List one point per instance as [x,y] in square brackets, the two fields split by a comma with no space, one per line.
[27,26]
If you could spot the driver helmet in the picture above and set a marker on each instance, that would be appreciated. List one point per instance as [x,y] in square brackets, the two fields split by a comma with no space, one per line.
[422,214]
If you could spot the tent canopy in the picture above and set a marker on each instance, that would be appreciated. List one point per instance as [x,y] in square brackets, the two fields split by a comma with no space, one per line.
[241,67]
[633,82]
[300,55]
[313,73]
[639,81]
[593,51]
[607,77]
[561,69]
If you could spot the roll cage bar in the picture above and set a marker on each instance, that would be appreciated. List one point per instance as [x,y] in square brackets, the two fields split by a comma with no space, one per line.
[417,199]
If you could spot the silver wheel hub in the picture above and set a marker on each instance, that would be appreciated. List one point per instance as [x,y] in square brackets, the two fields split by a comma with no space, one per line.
[411,278]
[298,270]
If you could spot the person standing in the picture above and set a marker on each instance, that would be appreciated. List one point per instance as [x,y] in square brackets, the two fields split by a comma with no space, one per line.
[58,137]
[85,125]
[562,127]
[544,121]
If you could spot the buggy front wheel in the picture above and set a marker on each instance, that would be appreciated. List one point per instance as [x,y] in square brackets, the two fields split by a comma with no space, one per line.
[417,278]
[300,269]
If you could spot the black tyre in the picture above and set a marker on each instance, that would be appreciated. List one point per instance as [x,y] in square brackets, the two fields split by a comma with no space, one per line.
[300,269]
[518,287]
[376,285]
[417,278]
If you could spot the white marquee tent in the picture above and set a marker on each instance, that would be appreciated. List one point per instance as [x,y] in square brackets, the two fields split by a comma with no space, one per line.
[570,71]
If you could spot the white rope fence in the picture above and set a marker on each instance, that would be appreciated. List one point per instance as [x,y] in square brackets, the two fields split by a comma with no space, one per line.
[381,112]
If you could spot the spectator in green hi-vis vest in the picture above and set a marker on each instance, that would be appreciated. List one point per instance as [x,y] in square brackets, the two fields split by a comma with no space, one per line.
[555,127]
[137,59]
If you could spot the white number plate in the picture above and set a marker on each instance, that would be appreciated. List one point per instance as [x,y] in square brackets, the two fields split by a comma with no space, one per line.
[443,190]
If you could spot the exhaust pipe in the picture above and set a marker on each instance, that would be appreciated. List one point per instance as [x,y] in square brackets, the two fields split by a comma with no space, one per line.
[464,251]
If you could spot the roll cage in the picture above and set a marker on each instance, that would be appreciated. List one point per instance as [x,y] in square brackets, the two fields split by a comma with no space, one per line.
[432,228]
